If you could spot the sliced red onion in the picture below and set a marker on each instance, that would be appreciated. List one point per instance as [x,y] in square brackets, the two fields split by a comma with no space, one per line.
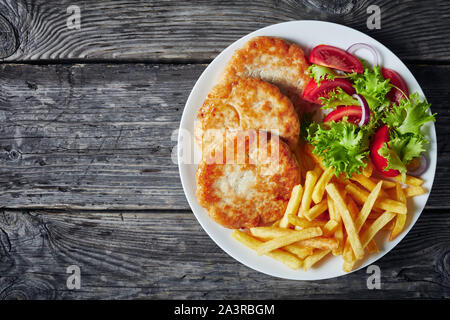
[365,116]
[423,165]
[355,47]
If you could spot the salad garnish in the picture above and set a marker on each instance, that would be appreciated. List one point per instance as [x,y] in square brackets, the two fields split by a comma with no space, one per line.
[382,121]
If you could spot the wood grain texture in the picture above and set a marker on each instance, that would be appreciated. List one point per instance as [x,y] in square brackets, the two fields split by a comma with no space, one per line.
[8,39]
[96,136]
[86,170]
[166,255]
[99,136]
[198,30]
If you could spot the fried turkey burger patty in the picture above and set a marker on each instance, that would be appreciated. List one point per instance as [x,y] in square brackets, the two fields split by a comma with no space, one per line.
[247,104]
[273,60]
[247,180]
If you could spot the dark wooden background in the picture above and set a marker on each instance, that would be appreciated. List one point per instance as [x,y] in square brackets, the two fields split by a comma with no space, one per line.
[86,177]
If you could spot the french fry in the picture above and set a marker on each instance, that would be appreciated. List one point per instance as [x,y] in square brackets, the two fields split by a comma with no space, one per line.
[399,193]
[367,207]
[374,215]
[310,181]
[348,254]
[293,204]
[386,204]
[288,259]
[332,211]
[348,266]
[314,258]
[342,179]
[361,218]
[317,170]
[376,226]
[285,240]
[299,251]
[358,194]
[400,220]
[269,233]
[276,223]
[372,247]
[414,191]
[391,193]
[367,171]
[316,211]
[386,183]
[339,236]
[319,243]
[410,180]
[330,227]
[338,233]
[319,188]
[399,224]
[391,205]
[347,219]
[304,223]
[390,225]
[352,208]
[366,183]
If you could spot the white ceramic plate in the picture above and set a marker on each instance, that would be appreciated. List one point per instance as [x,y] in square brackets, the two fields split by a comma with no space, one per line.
[307,34]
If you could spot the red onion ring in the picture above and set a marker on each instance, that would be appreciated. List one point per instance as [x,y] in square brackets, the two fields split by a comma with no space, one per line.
[355,47]
[423,166]
[365,115]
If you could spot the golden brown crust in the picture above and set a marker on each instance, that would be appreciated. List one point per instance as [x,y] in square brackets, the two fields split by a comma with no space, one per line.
[276,61]
[251,188]
[249,104]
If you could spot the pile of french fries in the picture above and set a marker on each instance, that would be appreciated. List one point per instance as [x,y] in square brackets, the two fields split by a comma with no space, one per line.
[326,214]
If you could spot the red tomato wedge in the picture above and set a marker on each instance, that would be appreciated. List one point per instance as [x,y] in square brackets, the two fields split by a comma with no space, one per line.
[395,95]
[379,162]
[313,92]
[336,58]
[353,113]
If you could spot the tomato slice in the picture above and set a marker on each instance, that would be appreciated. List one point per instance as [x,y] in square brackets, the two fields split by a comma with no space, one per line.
[313,92]
[353,114]
[379,162]
[395,95]
[335,58]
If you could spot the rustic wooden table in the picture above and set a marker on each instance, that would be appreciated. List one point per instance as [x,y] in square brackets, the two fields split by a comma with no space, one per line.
[86,123]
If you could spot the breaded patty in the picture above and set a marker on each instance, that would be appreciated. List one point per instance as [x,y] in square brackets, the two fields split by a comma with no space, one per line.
[276,61]
[253,185]
[248,104]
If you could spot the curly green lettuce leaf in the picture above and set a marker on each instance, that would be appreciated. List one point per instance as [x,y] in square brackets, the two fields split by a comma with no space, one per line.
[319,73]
[337,98]
[400,150]
[393,159]
[342,145]
[407,142]
[409,115]
[374,87]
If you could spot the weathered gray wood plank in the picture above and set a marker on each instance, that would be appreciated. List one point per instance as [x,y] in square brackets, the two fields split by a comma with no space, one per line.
[166,255]
[99,136]
[199,30]
[95,136]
